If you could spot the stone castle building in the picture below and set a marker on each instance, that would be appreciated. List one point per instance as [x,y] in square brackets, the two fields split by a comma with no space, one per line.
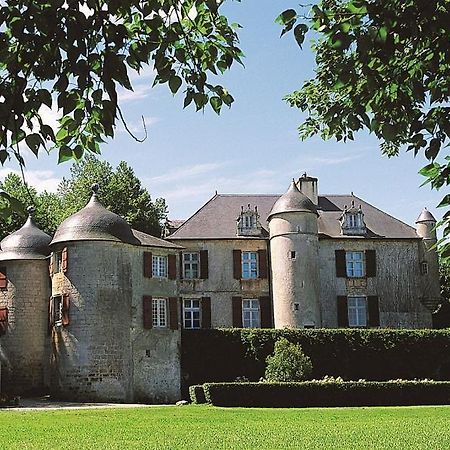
[96,312]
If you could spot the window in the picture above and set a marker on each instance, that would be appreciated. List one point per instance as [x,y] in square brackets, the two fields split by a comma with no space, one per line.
[357,311]
[292,254]
[250,313]
[352,221]
[58,262]
[249,265]
[159,266]
[354,262]
[248,221]
[159,312]
[424,268]
[57,311]
[191,307]
[190,265]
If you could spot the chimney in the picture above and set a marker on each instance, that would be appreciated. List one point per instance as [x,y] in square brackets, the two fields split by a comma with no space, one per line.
[308,186]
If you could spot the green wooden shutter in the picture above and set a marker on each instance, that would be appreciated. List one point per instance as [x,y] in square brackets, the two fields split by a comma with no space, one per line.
[262,263]
[148,266]
[265,309]
[147,312]
[173,313]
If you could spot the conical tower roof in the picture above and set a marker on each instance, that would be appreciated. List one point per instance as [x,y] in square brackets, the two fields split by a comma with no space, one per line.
[29,242]
[293,201]
[425,216]
[94,223]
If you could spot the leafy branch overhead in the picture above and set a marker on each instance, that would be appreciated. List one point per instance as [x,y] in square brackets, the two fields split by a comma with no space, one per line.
[73,55]
[384,66]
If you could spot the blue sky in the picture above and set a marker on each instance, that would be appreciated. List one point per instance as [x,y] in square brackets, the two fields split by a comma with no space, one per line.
[252,147]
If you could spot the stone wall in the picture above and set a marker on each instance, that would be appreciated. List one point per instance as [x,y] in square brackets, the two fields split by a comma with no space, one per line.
[397,282]
[220,285]
[24,348]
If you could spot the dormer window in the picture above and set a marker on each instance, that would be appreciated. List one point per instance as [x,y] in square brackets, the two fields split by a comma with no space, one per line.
[247,224]
[352,221]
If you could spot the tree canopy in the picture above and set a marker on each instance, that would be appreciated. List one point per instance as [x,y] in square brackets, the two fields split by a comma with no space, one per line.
[119,190]
[383,66]
[72,55]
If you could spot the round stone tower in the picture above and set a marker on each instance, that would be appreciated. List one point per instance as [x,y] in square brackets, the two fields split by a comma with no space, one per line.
[91,305]
[24,309]
[294,253]
[429,263]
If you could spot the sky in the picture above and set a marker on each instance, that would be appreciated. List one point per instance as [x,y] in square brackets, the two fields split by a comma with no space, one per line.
[252,147]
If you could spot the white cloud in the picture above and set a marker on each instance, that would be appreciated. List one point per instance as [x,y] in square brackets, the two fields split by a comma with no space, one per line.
[41,180]
[136,126]
[140,92]
[182,173]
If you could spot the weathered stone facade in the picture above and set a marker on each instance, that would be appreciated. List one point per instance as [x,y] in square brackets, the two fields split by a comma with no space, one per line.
[105,324]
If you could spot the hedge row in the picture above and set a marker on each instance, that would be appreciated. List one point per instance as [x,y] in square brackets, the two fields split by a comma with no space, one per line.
[380,354]
[316,393]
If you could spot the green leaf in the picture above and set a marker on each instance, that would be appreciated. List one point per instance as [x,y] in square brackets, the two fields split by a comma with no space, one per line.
[3,156]
[34,141]
[175,83]
[432,151]
[286,16]
[299,33]
[65,154]
[216,103]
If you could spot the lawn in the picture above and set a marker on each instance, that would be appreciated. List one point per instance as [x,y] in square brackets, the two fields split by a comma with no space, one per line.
[204,427]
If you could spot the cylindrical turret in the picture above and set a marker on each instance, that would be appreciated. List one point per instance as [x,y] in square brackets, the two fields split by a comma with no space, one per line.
[24,303]
[294,252]
[429,262]
[91,306]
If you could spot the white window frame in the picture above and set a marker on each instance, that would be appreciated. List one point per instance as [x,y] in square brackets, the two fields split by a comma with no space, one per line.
[192,313]
[357,311]
[249,265]
[251,313]
[191,267]
[355,264]
[159,312]
[159,266]
[248,221]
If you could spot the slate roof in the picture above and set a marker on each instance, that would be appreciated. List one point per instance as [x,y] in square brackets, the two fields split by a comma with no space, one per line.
[152,241]
[217,218]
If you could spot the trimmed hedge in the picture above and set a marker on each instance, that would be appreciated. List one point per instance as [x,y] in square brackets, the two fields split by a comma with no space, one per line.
[375,354]
[320,394]
[197,394]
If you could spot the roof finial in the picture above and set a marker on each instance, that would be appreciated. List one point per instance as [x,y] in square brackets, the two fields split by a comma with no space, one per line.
[30,210]
[95,188]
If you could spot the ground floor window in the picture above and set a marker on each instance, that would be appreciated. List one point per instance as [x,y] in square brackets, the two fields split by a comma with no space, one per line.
[159,312]
[251,313]
[357,311]
[191,313]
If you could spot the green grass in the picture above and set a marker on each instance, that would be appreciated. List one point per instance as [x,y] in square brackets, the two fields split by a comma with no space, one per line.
[205,427]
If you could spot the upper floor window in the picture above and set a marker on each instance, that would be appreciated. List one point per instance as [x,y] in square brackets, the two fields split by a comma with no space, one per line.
[159,266]
[249,265]
[357,311]
[250,313]
[159,312]
[247,223]
[354,262]
[191,265]
[57,262]
[352,221]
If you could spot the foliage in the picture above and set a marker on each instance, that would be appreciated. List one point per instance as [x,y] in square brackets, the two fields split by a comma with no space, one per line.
[288,363]
[384,66]
[197,394]
[349,353]
[441,319]
[119,190]
[74,55]
[328,393]
[48,206]
[201,427]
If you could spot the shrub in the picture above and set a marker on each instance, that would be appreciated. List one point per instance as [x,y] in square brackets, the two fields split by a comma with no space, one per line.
[288,363]
[320,393]
[197,394]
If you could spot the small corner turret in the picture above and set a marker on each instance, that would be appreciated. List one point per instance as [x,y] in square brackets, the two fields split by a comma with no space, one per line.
[426,225]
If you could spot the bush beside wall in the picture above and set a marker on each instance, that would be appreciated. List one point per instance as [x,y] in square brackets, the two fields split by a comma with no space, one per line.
[316,393]
[376,354]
